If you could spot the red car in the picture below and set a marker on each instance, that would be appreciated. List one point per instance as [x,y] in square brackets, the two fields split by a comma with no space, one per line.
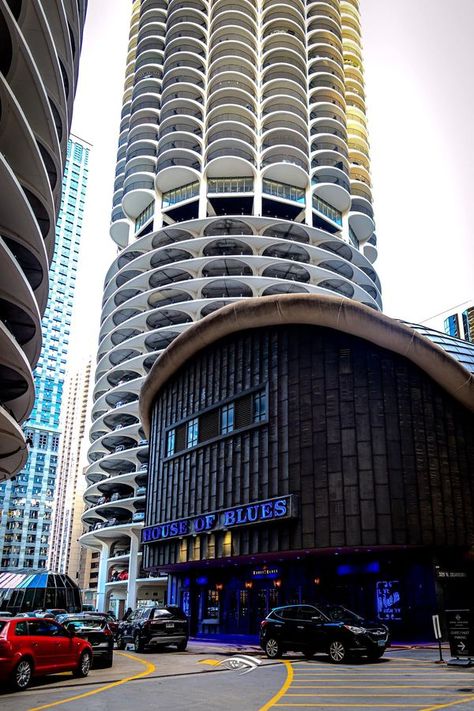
[32,646]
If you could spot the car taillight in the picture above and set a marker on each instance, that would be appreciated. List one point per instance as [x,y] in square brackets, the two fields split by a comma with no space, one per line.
[263,624]
[107,631]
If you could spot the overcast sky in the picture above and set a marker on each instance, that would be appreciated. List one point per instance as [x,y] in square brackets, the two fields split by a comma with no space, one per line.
[420,101]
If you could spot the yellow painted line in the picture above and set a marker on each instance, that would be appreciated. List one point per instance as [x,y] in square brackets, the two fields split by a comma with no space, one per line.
[210,662]
[370,696]
[380,686]
[351,706]
[284,688]
[465,700]
[148,670]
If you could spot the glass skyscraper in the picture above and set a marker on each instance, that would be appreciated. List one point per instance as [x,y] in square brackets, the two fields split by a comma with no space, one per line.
[26,502]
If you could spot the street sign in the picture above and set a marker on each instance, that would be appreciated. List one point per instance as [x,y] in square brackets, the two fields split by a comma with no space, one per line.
[460,624]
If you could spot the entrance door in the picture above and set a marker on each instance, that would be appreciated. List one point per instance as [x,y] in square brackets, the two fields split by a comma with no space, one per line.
[265,601]
[237,612]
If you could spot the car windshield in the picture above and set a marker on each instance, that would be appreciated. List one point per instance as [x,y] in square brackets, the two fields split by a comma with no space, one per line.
[339,613]
[2,624]
[85,623]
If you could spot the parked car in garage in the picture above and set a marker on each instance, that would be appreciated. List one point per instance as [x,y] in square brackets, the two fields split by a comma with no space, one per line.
[154,627]
[95,628]
[331,629]
[32,646]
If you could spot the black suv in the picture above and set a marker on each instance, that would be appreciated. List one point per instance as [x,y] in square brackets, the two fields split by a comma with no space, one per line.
[154,627]
[326,628]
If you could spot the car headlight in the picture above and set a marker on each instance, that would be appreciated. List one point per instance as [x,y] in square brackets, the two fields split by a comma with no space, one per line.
[355,630]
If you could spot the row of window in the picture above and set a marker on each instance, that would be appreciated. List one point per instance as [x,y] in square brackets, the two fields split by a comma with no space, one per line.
[244,411]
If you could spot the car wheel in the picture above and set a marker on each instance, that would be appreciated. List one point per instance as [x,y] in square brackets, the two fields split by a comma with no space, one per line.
[181,646]
[107,662]
[22,675]
[84,666]
[120,642]
[273,648]
[337,651]
[138,644]
[375,654]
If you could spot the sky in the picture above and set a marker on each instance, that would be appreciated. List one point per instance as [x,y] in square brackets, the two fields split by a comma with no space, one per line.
[420,103]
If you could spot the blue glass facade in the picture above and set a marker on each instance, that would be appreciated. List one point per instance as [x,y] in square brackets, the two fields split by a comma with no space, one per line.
[26,502]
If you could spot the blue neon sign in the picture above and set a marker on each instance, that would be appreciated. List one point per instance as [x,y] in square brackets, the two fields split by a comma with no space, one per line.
[283,507]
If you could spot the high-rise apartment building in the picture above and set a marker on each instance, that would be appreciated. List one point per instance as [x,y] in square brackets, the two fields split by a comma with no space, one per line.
[242,171]
[67,526]
[39,57]
[27,502]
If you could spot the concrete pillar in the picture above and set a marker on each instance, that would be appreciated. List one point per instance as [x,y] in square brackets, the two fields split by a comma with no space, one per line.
[102,577]
[133,570]
[309,205]
[203,199]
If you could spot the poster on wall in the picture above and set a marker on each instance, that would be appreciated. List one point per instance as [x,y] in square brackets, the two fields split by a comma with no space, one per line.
[388,600]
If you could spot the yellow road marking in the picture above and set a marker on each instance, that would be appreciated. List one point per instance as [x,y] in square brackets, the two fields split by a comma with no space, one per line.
[284,688]
[210,662]
[376,696]
[379,686]
[345,706]
[149,669]
[465,700]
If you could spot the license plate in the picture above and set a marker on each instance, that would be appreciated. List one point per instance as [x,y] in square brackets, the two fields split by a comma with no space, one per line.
[381,642]
[170,626]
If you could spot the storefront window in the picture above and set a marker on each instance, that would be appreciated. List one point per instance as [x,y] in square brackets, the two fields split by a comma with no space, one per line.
[212,605]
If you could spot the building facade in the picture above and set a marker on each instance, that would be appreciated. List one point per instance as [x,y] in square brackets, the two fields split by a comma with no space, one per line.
[457,321]
[305,448]
[67,526]
[27,501]
[242,171]
[39,58]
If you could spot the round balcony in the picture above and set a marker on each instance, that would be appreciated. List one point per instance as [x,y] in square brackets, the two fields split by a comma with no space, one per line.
[177,167]
[243,6]
[232,21]
[283,120]
[327,8]
[230,157]
[319,50]
[331,184]
[232,50]
[285,166]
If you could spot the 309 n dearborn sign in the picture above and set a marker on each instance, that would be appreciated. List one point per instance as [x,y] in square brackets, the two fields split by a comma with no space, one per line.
[267,511]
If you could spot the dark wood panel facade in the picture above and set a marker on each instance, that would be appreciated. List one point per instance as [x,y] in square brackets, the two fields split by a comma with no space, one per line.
[376,452]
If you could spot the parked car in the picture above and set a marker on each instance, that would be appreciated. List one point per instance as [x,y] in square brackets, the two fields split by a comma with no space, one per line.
[326,628]
[154,627]
[95,628]
[107,616]
[32,646]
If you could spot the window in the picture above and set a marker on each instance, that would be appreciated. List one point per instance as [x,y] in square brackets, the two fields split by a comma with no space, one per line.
[43,441]
[192,432]
[170,442]
[45,628]
[21,629]
[260,406]
[227,418]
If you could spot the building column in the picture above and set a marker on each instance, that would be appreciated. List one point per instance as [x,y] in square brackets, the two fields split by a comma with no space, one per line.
[203,198]
[132,571]
[102,577]
[309,204]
